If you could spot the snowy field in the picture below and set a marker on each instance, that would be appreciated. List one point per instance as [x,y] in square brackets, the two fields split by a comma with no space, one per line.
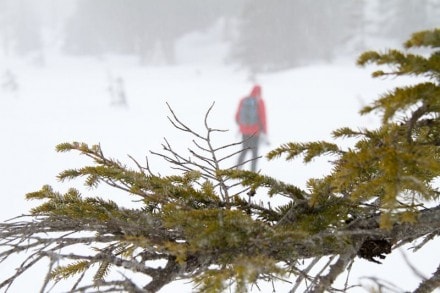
[68,99]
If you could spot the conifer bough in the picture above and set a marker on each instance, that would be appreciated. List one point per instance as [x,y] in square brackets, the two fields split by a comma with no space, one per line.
[205,225]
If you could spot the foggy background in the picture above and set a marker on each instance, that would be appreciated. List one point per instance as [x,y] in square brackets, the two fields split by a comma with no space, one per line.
[261,35]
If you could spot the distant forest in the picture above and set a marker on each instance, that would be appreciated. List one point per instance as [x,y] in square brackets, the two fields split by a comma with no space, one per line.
[263,35]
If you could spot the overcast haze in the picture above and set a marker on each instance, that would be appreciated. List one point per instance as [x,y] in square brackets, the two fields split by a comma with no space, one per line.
[261,36]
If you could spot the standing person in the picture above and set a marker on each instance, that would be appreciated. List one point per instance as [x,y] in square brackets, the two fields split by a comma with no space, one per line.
[251,119]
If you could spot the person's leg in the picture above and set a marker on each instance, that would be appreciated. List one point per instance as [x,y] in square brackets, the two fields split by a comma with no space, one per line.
[254,143]
[244,150]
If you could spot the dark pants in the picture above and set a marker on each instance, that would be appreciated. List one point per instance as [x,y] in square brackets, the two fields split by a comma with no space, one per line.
[250,144]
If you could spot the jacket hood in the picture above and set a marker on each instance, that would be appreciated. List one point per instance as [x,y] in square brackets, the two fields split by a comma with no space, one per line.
[256,91]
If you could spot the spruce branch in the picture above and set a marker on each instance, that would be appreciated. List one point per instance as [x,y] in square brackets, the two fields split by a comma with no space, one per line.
[210,223]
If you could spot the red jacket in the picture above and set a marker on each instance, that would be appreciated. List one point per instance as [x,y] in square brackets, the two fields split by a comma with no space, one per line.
[255,128]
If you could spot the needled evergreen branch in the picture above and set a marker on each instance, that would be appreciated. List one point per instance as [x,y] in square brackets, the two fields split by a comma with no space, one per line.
[400,100]
[399,62]
[346,132]
[65,272]
[205,223]
[310,150]
[427,38]
[254,181]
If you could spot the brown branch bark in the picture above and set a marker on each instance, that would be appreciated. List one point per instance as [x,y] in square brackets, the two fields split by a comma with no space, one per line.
[430,284]
[325,282]
[22,236]
[164,276]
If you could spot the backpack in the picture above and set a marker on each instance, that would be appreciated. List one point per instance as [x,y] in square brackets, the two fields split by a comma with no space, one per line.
[249,111]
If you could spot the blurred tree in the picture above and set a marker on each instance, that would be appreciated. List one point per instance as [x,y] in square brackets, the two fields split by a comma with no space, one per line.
[140,26]
[293,33]
[20,27]
[4,27]
[401,17]
[206,225]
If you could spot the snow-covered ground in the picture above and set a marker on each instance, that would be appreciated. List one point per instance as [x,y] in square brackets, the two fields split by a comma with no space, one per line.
[68,99]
